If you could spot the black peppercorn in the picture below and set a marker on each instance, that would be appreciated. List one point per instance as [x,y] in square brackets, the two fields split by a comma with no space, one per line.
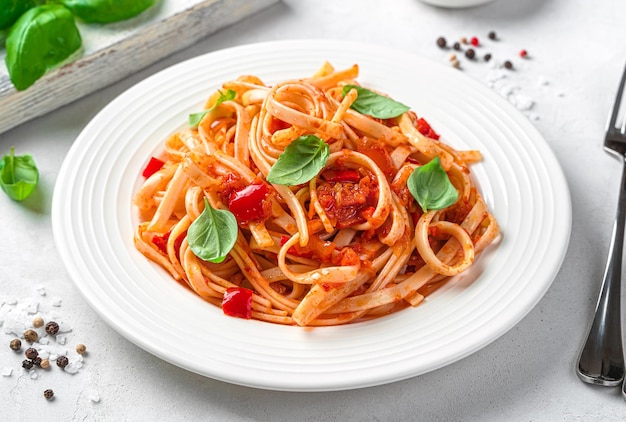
[487,57]
[48,394]
[457,46]
[470,53]
[31,353]
[16,344]
[36,361]
[508,64]
[492,35]
[441,42]
[27,364]
[52,328]
[62,361]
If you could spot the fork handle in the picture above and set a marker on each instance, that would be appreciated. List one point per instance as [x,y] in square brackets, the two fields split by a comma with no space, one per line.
[601,359]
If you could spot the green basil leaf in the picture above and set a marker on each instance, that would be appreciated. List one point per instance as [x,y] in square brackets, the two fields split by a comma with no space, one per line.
[105,11]
[372,104]
[18,175]
[431,187]
[41,39]
[213,234]
[11,10]
[195,118]
[301,161]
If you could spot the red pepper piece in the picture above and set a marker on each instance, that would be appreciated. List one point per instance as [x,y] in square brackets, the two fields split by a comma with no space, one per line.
[160,241]
[153,166]
[247,204]
[237,302]
[344,175]
[424,128]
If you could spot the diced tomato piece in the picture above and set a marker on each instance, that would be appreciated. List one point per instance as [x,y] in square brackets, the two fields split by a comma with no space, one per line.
[424,128]
[152,167]
[341,175]
[161,241]
[247,203]
[237,302]
[379,154]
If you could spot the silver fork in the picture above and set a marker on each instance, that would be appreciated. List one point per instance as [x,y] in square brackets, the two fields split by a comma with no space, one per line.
[601,359]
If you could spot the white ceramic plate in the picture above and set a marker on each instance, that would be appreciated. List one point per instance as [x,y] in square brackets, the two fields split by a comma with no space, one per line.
[93,223]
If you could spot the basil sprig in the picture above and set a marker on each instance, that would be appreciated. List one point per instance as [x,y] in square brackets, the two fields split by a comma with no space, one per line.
[11,10]
[195,118]
[42,34]
[372,104]
[106,11]
[18,175]
[42,38]
[301,161]
[431,187]
[213,234]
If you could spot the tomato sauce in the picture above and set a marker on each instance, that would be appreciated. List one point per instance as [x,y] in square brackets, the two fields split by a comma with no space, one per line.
[348,203]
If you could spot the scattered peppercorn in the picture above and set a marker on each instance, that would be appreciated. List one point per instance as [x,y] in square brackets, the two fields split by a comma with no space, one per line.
[52,328]
[16,344]
[457,46]
[463,40]
[470,53]
[48,394]
[37,361]
[474,41]
[62,361]
[45,363]
[508,64]
[38,322]
[492,35]
[81,348]
[487,57]
[454,61]
[31,336]
[27,364]
[31,353]
[523,53]
[441,42]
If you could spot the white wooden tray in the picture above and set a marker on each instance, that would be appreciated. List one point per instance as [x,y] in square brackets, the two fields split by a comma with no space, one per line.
[114,51]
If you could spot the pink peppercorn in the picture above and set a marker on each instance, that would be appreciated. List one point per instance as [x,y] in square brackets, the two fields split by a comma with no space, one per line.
[474,41]
[523,53]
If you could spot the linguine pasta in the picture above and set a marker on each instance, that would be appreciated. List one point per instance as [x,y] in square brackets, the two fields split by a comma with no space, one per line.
[350,244]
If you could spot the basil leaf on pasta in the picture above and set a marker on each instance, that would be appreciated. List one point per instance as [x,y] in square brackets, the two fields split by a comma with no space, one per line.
[372,104]
[18,175]
[195,118]
[213,234]
[301,161]
[431,186]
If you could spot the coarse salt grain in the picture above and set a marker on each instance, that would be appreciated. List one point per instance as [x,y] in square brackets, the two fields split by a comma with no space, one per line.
[32,308]
[7,371]
[32,374]
[74,365]
[56,301]
[94,396]
[41,291]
